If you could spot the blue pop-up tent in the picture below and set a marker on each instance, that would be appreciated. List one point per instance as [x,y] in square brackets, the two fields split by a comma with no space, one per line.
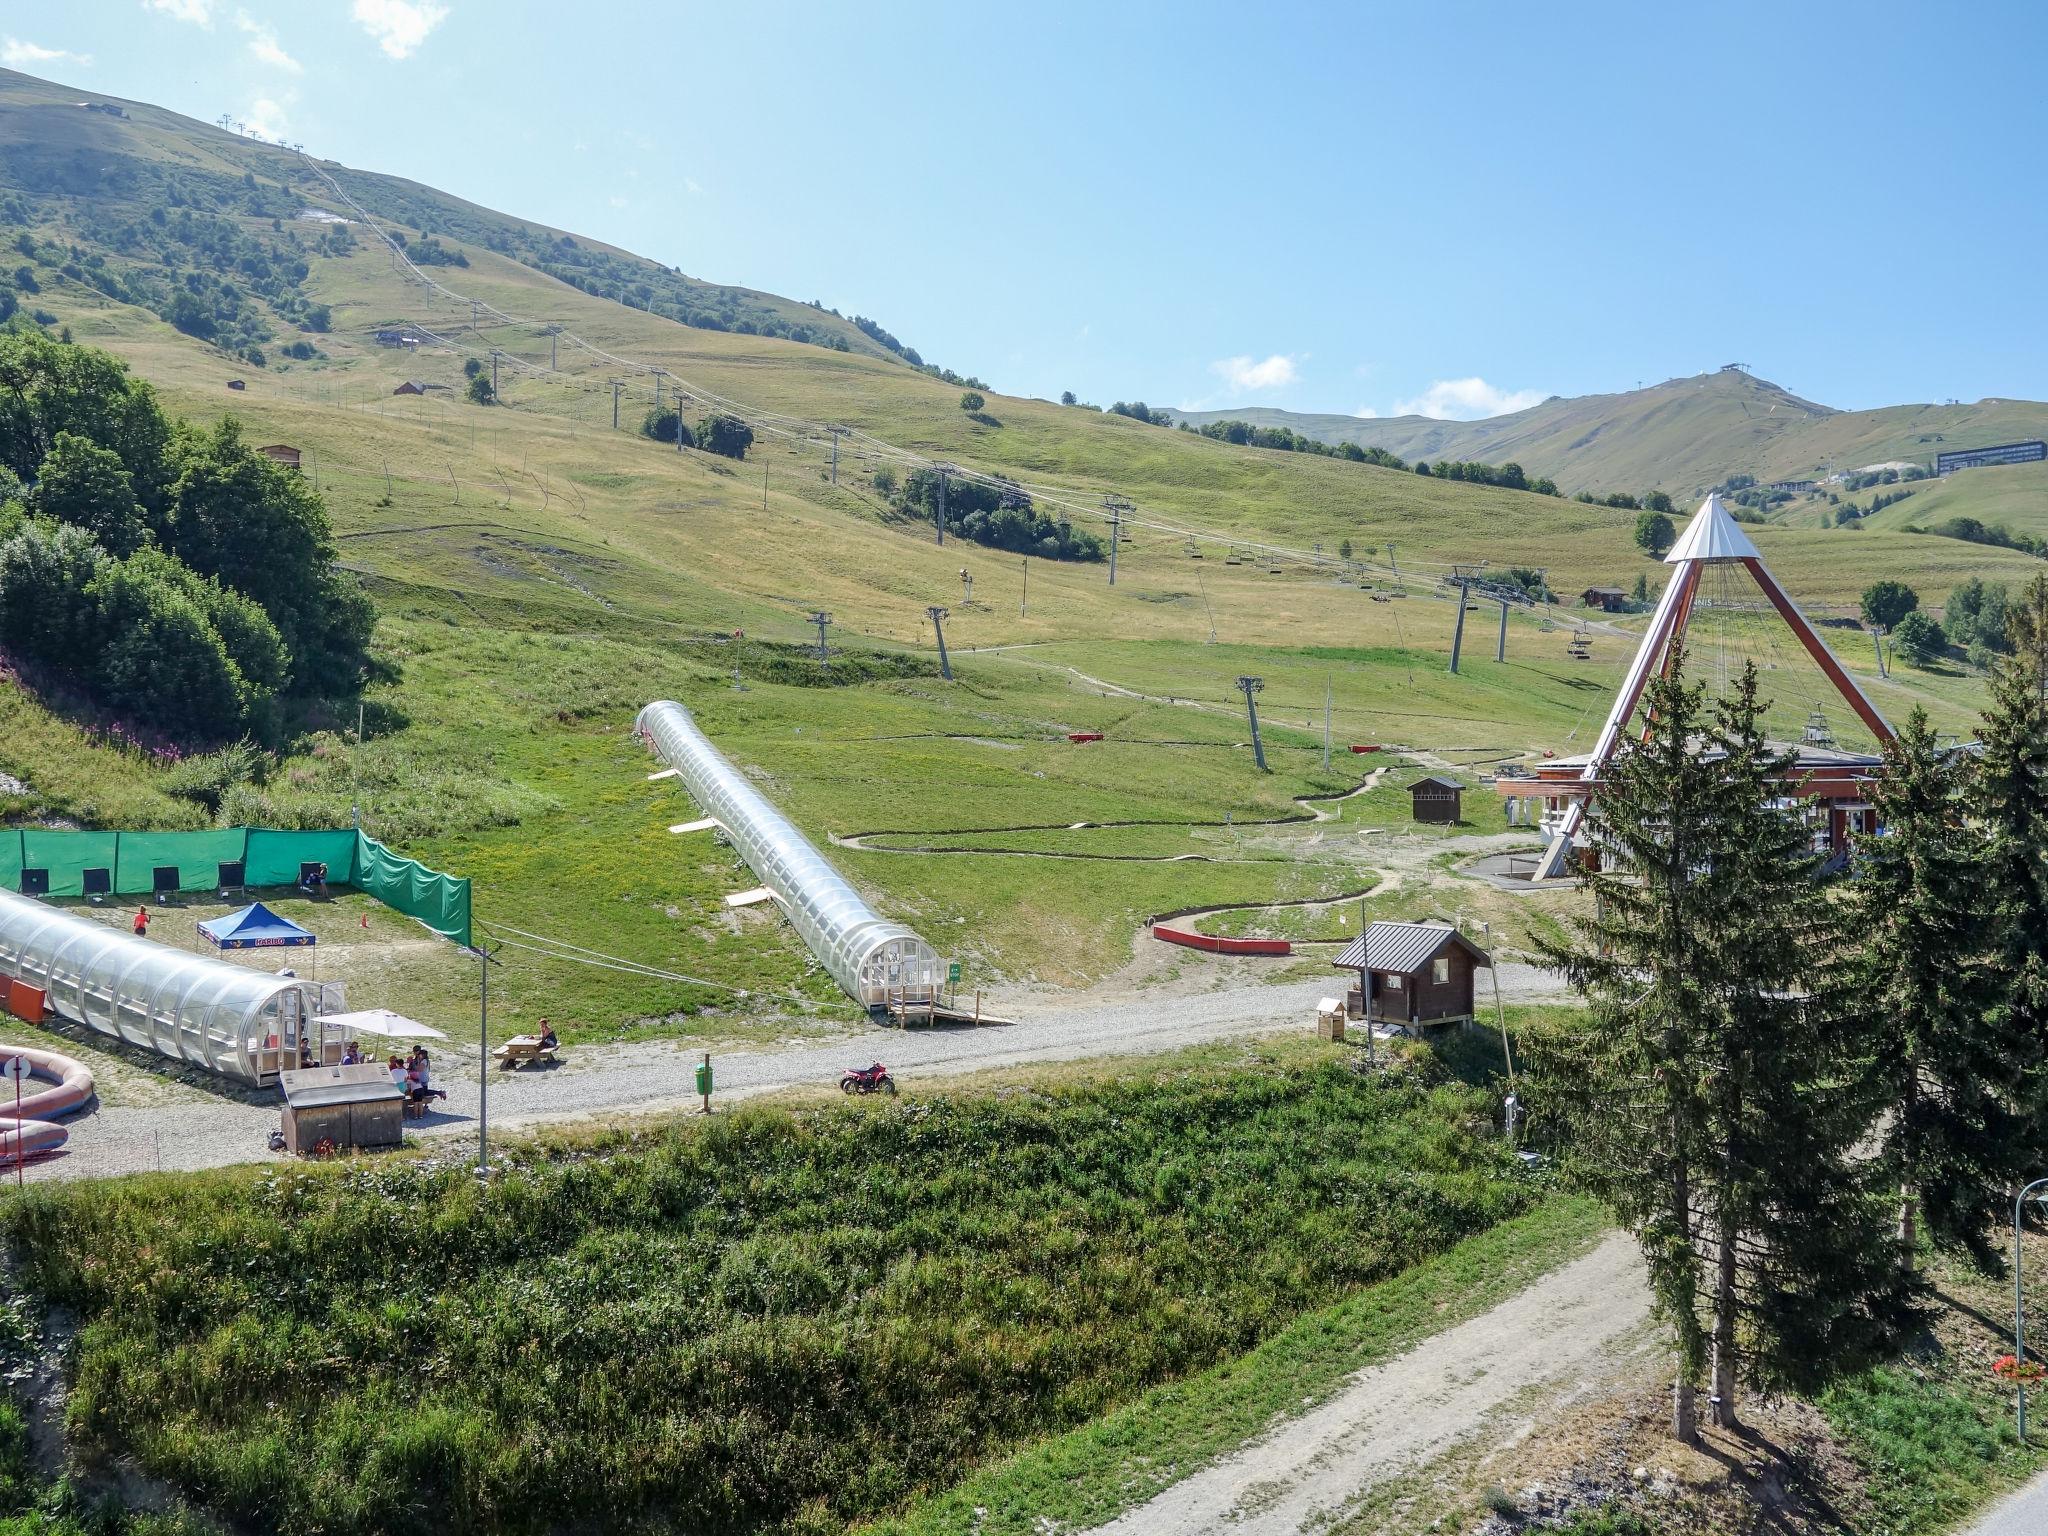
[254,927]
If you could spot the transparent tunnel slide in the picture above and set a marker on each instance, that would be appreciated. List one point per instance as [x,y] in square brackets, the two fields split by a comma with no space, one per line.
[226,1018]
[876,960]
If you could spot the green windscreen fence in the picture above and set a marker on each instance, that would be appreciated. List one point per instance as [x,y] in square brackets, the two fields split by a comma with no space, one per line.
[131,861]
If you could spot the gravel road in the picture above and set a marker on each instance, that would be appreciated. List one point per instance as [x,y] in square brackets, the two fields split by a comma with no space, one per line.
[2024,1513]
[190,1128]
[1576,1326]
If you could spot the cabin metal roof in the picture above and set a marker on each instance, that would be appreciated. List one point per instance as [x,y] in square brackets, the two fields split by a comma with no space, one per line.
[1438,780]
[1404,948]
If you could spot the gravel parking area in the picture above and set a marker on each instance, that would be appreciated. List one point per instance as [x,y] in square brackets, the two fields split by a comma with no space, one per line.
[187,1127]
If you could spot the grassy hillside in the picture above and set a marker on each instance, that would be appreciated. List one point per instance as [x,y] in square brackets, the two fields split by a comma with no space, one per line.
[771,1321]
[1683,436]
[542,576]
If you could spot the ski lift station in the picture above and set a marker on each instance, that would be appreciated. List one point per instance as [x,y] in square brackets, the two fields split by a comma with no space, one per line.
[1834,782]
[241,1023]
[880,963]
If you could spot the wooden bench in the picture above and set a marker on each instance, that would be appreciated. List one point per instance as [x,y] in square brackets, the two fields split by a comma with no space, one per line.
[524,1050]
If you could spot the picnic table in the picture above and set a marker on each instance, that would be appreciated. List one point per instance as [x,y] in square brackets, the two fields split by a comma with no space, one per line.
[523,1050]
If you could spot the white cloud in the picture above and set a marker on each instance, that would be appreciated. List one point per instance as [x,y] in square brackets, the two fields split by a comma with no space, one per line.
[266,117]
[1365,413]
[198,12]
[399,26]
[1244,373]
[1467,400]
[16,54]
[263,44]
[690,186]
[617,201]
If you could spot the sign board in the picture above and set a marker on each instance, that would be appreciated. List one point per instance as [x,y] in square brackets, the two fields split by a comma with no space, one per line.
[953,972]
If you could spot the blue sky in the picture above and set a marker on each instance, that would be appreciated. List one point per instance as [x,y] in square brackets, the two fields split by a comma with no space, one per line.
[1449,207]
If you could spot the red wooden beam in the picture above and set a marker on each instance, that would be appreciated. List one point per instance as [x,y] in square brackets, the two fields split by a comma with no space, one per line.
[1817,648]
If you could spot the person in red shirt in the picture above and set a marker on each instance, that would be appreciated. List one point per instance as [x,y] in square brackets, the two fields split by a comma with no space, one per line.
[142,922]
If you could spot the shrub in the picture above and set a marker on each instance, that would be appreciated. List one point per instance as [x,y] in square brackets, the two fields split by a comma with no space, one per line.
[1920,637]
[663,425]
[724,435]
[971,402]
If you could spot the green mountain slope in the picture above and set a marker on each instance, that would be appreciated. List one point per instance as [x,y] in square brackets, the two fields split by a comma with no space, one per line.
[111,163]
[1682,436]
[541,575]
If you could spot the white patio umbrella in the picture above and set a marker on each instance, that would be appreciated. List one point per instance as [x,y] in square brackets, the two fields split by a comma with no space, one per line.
[382,1022]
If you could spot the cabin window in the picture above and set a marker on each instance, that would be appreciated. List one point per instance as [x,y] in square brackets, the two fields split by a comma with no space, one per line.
[1441,971]
[1393,983]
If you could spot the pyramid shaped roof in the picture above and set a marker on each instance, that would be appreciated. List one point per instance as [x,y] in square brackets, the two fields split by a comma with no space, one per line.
[1712,535]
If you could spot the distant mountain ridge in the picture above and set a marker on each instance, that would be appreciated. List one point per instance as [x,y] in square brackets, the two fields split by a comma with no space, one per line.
[1682,436]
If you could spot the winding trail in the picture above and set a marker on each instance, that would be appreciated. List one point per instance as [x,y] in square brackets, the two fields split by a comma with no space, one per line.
[1497,1375]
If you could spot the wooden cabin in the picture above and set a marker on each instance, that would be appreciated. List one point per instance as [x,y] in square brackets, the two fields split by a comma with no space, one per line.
[282,453]
[1606,599]
[1437,798]
[1412,973]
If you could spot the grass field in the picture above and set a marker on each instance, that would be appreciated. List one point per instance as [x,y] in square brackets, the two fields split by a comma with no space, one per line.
[780,1320]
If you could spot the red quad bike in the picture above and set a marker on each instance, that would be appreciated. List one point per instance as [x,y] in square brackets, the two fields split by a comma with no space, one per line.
[875,1079]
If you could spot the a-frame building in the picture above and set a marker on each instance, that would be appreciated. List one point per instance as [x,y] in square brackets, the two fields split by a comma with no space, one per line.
[1837,779]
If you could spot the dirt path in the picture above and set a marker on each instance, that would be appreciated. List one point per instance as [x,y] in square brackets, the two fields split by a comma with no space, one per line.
[1571,1330]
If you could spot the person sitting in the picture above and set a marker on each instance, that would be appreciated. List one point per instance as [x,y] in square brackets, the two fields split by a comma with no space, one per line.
[548,1042]
[350,1056]
[398,1073]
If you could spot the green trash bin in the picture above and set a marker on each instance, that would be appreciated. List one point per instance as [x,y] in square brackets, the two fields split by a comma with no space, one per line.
[704,1082]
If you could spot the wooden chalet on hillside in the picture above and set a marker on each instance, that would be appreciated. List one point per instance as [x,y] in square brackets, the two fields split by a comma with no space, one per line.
[1412,973]
[1437,799]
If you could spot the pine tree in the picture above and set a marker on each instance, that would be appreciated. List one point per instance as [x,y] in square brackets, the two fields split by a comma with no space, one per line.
[1942,1053]
[1805,1281]
[2011,799]
[1709,1100]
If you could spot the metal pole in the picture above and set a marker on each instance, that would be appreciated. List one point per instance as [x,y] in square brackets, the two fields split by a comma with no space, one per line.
[2019,1306]
[494,373]
[553,336]
[1458,634]
[356,805]
[1250,687]
[483,1065]
[1024,602]
[1326,722]
[1116,525]
[1500,649]
[942,509]
[938,616]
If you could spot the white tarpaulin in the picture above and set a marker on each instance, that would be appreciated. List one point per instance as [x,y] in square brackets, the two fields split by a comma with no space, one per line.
[383,1022]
